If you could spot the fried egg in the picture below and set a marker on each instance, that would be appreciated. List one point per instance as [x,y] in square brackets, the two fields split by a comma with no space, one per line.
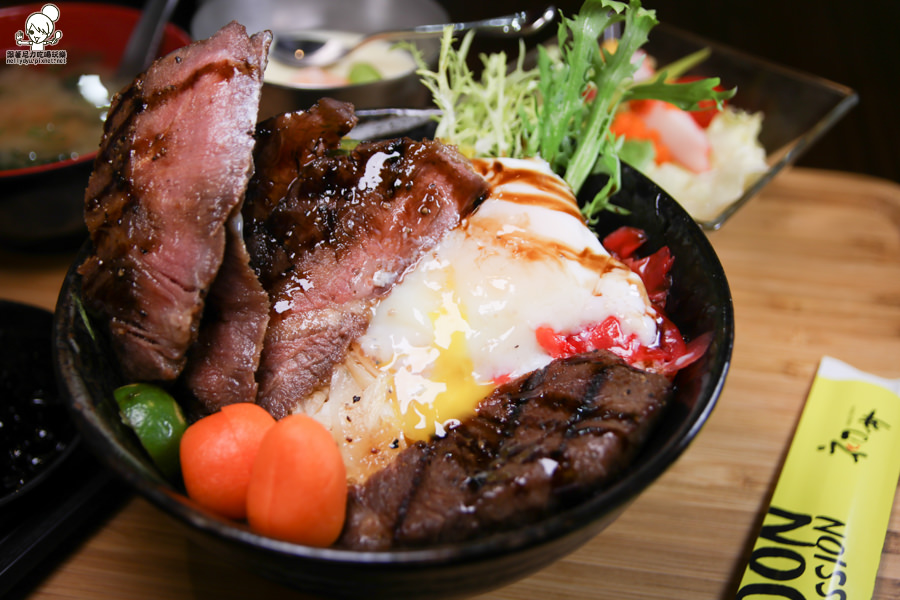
[464,319]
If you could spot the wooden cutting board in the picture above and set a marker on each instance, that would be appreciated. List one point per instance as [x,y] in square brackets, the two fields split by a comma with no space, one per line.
[814,268]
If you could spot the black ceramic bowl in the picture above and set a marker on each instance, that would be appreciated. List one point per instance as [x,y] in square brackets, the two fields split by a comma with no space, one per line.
[700,303]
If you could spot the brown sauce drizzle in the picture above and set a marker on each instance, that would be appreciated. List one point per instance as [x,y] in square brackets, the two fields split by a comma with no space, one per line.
[550,191]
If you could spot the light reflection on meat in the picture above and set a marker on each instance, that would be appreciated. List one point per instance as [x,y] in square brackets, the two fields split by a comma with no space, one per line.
[174,162]
[339,235]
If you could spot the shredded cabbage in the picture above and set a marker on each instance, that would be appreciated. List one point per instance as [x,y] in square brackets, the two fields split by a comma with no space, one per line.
[737,157]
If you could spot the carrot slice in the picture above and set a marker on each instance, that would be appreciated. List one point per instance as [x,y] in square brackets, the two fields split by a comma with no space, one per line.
[217,454]
[631,125]
[298,488]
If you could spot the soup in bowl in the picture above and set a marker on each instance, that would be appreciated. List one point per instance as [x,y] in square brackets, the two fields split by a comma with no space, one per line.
[54,103]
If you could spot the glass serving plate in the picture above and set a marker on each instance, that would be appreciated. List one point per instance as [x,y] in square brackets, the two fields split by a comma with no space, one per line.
[798,108]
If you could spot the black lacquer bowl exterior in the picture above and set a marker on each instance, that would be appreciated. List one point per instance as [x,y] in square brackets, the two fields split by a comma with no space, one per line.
[700,303]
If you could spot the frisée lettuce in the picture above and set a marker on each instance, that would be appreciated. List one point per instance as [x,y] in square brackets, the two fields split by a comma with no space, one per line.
[561,109]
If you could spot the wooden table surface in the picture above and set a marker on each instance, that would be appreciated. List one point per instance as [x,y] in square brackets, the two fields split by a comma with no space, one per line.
[814,268]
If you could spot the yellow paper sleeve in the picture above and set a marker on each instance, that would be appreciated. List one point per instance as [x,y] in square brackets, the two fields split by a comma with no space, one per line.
[824,530]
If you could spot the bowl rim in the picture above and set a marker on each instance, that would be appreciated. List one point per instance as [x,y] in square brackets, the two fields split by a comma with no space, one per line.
[21,10]
[610,500]
[50,166]
[326,89]
[202,22]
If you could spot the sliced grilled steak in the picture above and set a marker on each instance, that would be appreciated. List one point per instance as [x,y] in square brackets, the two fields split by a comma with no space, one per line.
[288,144]
[222,364]
[344,233]
[174,162]
[535,446]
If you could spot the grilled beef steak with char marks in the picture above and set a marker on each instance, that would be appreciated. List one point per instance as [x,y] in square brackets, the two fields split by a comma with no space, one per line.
[535,446]
[221,367]
[174,162]
[288,144]
[285,282]
[339,236]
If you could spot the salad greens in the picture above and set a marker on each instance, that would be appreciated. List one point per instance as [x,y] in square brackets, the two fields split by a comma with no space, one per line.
[486,117]
[560,110]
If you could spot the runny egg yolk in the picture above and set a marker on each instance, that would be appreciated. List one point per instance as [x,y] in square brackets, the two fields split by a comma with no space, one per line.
[465,317]
[442,389]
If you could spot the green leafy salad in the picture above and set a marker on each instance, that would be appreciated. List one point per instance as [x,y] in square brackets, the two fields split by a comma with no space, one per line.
[561,109]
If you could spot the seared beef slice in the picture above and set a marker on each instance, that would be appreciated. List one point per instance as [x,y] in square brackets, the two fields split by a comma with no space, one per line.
[222,364]
[174,162]
[347,229]
[535,446]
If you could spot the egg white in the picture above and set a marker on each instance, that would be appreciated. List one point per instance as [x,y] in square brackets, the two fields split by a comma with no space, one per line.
[464,318]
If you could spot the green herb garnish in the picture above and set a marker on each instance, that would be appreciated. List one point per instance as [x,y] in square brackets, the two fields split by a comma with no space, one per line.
[560,110]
